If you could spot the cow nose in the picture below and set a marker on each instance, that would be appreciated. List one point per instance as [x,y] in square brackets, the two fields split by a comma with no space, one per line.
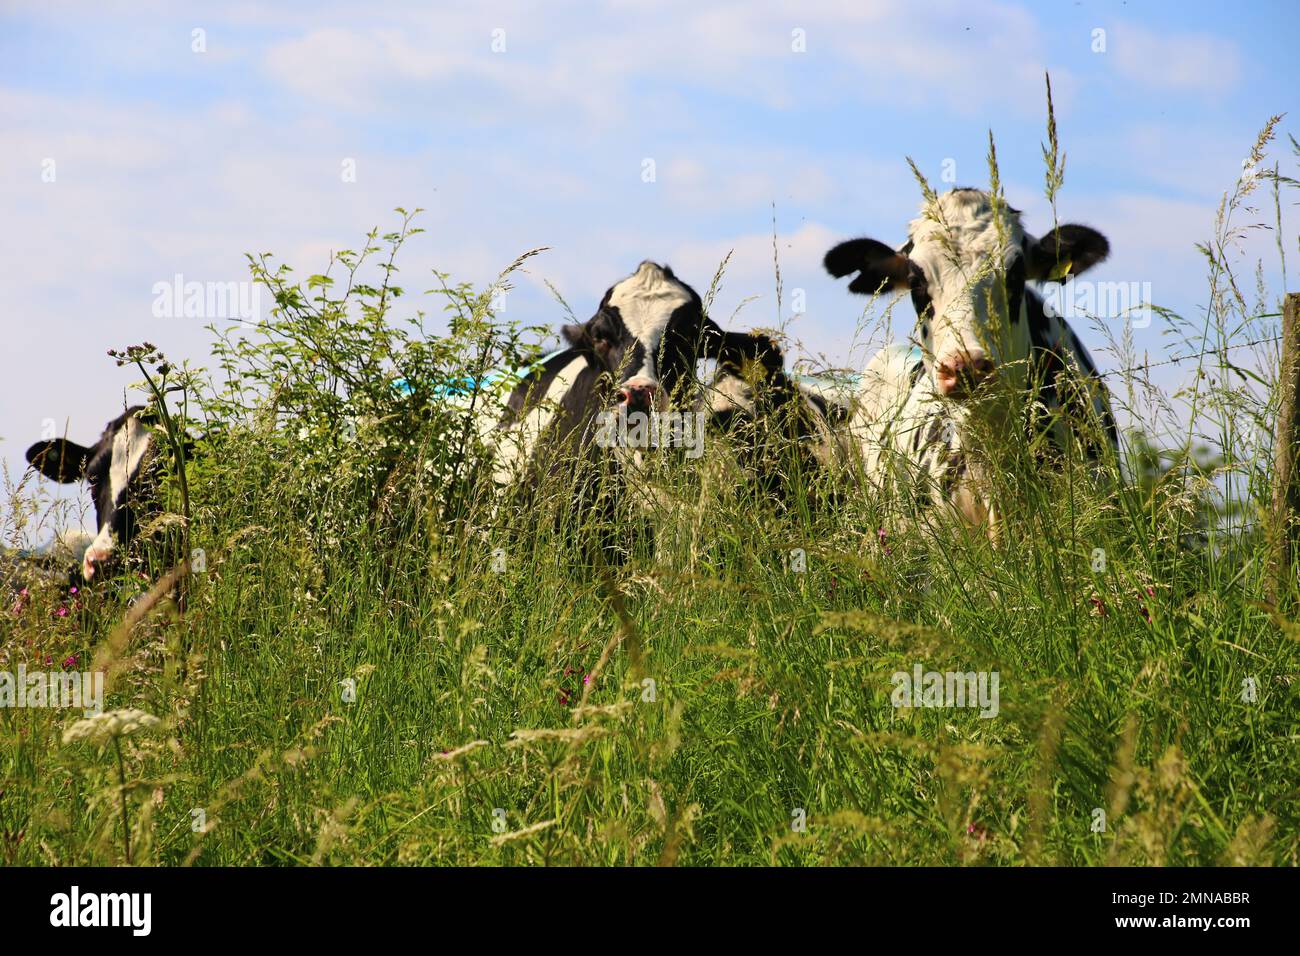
[89,563]
[957,373]
[637,396]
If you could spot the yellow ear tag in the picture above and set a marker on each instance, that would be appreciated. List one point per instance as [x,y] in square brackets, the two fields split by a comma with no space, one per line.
[1061,271]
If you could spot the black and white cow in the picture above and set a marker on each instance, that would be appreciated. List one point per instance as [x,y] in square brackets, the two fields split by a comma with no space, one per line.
[638,354]
[121,469]
[924,412]
[782,428]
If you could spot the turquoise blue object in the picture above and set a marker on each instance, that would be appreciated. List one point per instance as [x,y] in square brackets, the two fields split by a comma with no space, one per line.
[469,385]
[850,380]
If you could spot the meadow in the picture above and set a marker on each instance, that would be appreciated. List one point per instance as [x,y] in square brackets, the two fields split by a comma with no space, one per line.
[375,663]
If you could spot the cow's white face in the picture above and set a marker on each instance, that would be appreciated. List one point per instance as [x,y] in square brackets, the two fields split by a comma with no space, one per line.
[118,470]
[646,334]
[968,286]
[965,264]
[647,301]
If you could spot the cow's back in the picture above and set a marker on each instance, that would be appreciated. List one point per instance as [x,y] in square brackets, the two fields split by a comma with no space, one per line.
[547,402]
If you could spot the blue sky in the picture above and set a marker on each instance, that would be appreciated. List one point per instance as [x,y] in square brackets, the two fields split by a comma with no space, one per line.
[170,161]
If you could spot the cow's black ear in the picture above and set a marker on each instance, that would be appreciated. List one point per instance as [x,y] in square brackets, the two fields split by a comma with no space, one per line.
[1066,251]
[59,459]
[711,339]
[188,445]
[763,349]
[576,336]
[878,266]
[149,415]
[737,350]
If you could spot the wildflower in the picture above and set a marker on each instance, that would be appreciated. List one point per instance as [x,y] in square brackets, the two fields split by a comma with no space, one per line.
[112,723]
[1146,613]
[70,661]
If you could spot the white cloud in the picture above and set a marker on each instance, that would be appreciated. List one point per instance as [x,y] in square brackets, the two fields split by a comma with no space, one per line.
[712,179]
[592,58]
[539,145]
[1182,62]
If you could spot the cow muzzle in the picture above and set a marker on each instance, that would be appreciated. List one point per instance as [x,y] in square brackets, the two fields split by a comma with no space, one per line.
[957,375]
[638,395]
[97,554]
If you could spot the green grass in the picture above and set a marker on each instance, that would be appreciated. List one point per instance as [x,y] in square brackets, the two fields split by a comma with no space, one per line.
[699,703]
[771,695]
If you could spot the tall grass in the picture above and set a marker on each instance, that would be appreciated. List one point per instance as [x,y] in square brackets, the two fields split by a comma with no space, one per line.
[384,663]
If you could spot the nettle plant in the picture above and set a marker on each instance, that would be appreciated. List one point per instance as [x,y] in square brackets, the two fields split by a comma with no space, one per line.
[353,406]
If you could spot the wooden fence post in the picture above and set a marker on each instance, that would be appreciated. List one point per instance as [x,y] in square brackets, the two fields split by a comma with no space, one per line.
[1286,479]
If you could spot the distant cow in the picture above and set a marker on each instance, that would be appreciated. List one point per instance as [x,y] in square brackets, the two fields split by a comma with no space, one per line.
[781,426]
[121,469]
[45,566]
[966,264]
[635,358]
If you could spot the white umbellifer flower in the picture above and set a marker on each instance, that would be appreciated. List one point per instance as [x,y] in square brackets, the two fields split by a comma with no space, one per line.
[113,723]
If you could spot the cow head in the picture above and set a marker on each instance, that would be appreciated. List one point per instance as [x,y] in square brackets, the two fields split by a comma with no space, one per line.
[647,335]
[965,262]
[120,469]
